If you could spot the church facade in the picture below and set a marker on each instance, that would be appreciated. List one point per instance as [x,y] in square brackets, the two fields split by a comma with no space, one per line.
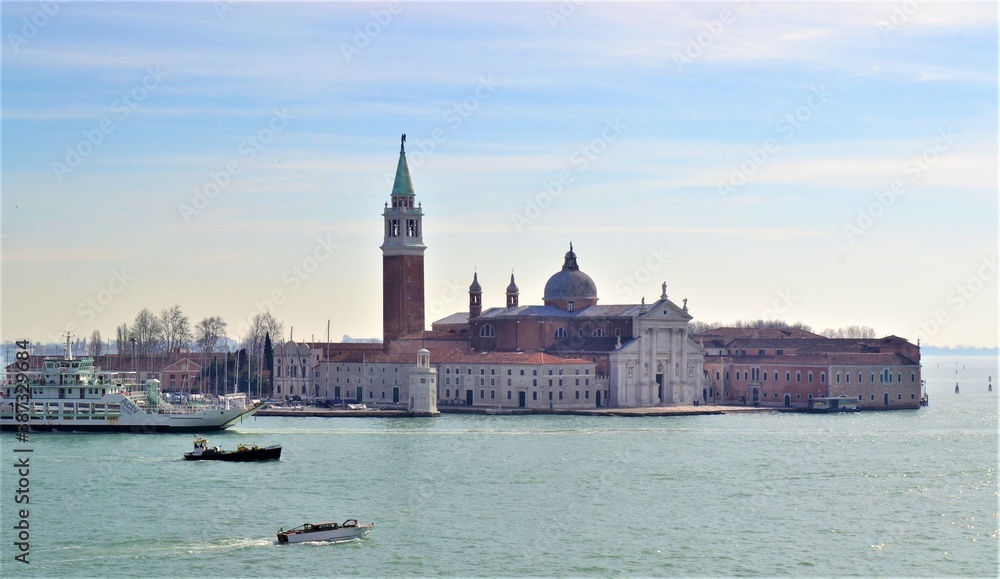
[642,350]
[567,353]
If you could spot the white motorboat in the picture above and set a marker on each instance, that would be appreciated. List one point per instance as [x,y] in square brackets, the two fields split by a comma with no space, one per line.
[349,529]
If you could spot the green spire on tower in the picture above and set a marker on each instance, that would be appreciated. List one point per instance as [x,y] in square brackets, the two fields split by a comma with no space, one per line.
[402,185]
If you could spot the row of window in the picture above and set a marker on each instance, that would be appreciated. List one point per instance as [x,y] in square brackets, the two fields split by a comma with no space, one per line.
[755,374]
[488,331]
[884,377]
[534,381]
[534,395]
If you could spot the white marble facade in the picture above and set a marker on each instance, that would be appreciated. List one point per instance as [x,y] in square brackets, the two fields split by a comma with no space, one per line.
[660,366]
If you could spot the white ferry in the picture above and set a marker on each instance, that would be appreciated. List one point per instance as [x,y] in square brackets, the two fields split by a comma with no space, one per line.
[70,394]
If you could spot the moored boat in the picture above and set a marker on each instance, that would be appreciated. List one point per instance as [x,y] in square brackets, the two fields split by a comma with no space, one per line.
[72,394]
[349,529]
[243,452]
[833,404]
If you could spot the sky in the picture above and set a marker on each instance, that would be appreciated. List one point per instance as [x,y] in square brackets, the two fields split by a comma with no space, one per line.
[827,163]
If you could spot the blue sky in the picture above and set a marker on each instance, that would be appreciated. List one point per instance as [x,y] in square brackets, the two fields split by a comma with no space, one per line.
[829,163]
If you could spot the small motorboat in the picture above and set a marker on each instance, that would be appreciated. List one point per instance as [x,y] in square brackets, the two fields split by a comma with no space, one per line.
[349,529]
[243,452]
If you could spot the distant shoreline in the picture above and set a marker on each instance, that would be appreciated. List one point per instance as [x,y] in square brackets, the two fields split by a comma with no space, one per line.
[932,351]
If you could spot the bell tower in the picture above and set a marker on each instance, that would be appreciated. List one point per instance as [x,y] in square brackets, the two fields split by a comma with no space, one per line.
[402,258]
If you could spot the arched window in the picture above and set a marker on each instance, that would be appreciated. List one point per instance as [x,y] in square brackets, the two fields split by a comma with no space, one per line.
[561,333]
[487,331]
[599,333]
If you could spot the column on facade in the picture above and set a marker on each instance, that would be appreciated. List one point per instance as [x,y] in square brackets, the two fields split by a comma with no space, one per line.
[630,399]
[651,393]
[684,355]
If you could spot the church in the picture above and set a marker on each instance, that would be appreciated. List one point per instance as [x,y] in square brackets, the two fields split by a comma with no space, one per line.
[568,352]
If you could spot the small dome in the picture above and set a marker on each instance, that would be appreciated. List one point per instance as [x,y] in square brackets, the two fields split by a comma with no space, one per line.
[570,283]
[512,288]
[475,287]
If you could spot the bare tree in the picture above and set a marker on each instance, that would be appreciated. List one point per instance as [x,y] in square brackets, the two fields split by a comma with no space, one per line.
[175,329]
[96,344]
[851,332]
[209,332]
[122,336]
[147,332]
[260,326]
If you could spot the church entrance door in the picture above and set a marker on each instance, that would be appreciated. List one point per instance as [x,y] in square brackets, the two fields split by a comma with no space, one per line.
[598,398]
[522,398]
[395,395]
[468,397]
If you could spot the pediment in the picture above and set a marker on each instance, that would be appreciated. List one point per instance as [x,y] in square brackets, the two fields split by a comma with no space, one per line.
[667,310]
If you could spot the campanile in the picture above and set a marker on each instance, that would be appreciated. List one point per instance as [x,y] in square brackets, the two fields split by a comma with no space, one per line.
[402,258]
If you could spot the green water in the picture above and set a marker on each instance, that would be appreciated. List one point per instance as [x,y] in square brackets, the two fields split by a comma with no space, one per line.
[905,493]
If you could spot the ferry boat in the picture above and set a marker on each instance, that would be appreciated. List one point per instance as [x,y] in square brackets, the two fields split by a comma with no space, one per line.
[70,394]
[349,529]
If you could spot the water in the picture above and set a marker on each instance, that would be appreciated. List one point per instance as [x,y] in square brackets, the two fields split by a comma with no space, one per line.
[904,493]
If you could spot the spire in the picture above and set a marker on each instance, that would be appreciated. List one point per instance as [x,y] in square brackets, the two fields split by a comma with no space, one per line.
[402,185]
[475,297]
[570,262]
[512,293]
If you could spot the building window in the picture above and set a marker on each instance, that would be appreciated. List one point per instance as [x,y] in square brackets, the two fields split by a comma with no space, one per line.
[760,352]
[569,306]
[534,395]
[599,333]
[618,332]
[810,376]
[822,377]
[482,393]
[560,333]
[788,376]
[798,376]
[487,331]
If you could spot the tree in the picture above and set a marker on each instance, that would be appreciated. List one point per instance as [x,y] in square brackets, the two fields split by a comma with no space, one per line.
[260,326]
[122,336]
[175,329]
[208,333]
[96,344]
[851,332]
[147,332]
[269,362]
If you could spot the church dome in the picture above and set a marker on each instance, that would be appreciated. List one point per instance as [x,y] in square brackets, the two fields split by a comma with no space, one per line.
[570,283]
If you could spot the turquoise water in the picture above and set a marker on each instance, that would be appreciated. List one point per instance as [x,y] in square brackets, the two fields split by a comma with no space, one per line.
[904,493]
